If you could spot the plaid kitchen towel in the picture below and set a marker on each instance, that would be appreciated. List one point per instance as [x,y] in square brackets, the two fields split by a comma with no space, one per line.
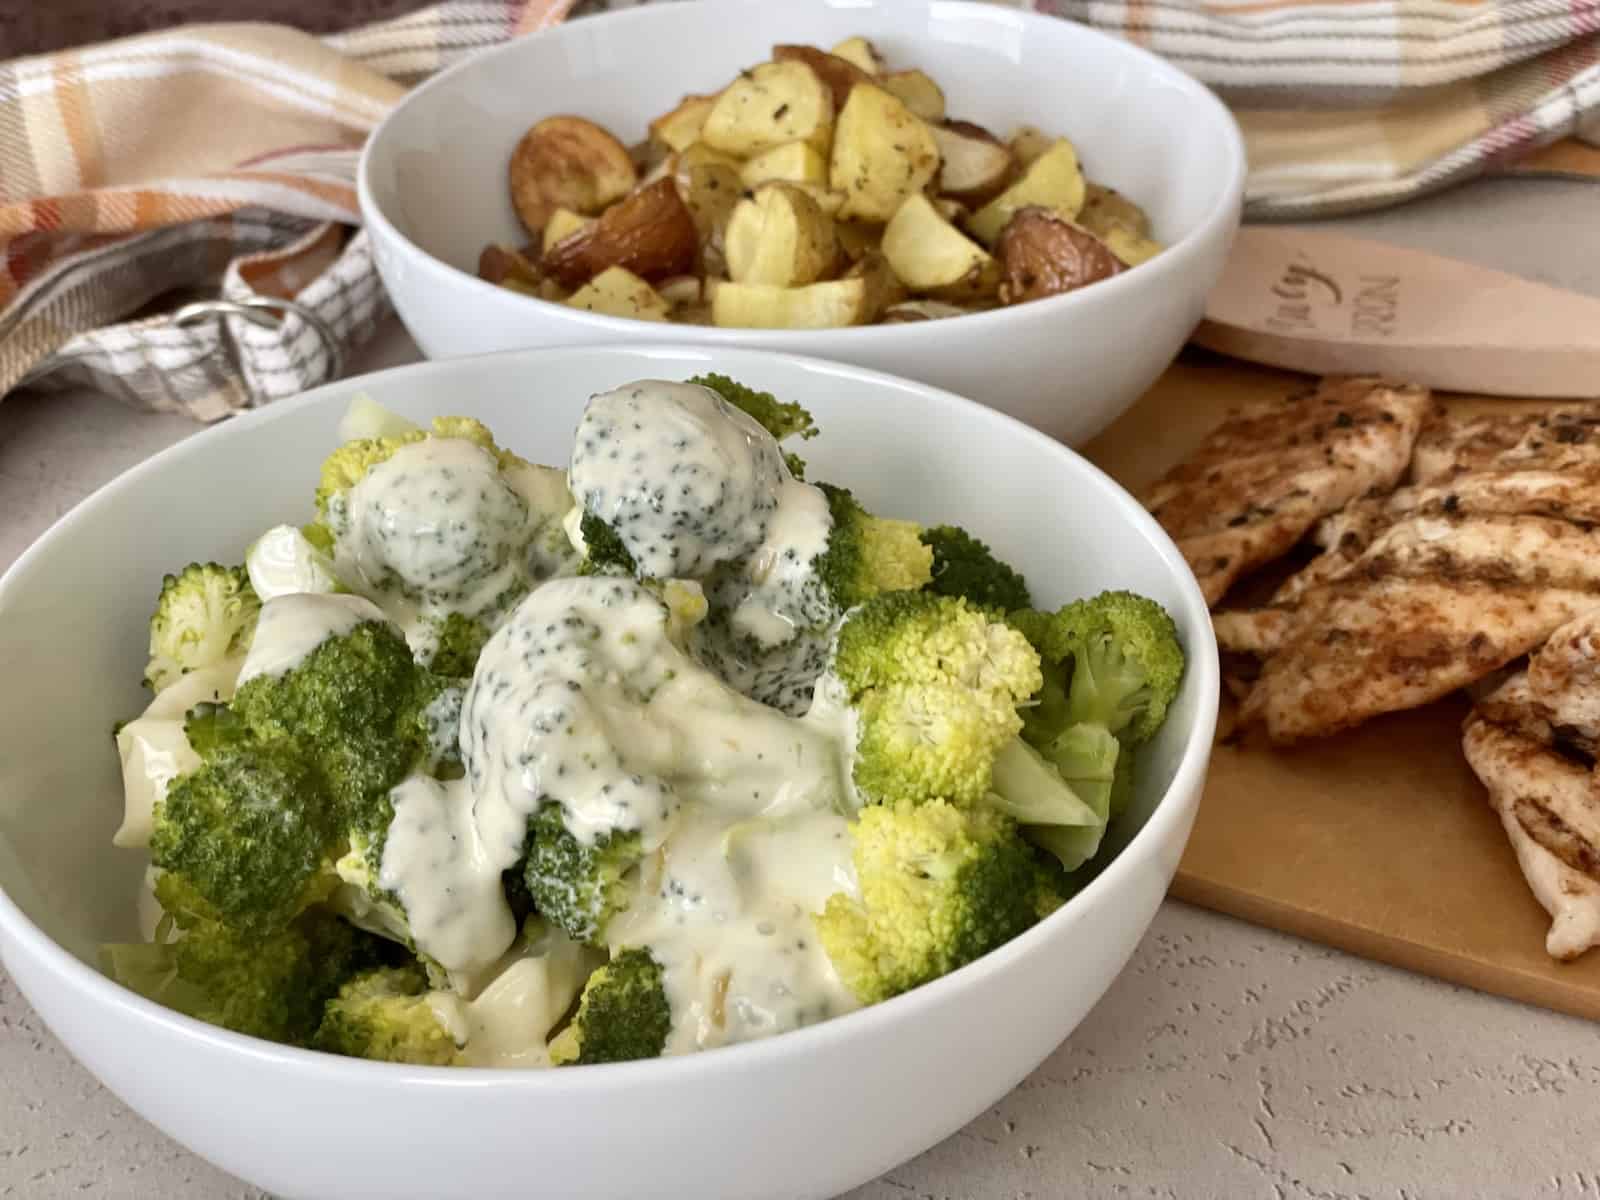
[219,160]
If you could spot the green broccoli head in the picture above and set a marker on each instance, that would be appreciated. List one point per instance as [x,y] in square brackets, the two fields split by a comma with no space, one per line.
[206,613]
[270,986]
[604,553]
[782,420]
[250,833]
[1116,659]
[384,1014]
[934,684]
[574,886]
[461,640]
[939,887]
[963,566]
[622,1015]
[868,556]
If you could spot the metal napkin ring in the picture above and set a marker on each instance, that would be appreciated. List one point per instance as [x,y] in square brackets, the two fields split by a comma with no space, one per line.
[268,313]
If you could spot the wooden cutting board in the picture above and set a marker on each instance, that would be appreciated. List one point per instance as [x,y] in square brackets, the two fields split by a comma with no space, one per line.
[1380,841]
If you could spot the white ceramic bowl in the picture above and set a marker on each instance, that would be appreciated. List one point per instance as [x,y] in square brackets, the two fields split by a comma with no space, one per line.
[807,1114]
[433,187]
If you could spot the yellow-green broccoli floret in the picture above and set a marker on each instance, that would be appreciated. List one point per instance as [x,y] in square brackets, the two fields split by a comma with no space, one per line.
[384,1014]
[782,419]
[604,553]
[935,684]
[574,886]
[623,1014]
[867,555]
[206,613]
[963,566]
[939,887]
[461,641]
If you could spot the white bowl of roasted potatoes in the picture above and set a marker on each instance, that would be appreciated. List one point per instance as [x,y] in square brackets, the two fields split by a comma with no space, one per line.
[999,203]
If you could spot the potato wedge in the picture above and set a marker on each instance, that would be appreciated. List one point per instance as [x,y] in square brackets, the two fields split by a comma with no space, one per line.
[920,310]
[562,223]
[781,237]
[917,92]
[861,53]
[827,200]
[857,239]
[930,255]
[680,128]
[618,292]
[708,182]
[1051,181]
[839,74]
[974,165]
[827,305]
[792,162]
[953,211]
[1043,254]
[773,104]
[567,162]
[651,233]
[883,285]
[1105,207]
[502,264]
[882,153]
[680,290]
[1132,248]
[1028,143]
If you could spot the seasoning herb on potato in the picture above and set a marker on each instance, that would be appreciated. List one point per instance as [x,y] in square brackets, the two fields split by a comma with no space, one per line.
[815,190]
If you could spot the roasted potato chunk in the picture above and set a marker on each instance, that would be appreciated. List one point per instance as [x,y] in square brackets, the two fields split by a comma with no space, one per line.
[920,310]
[708,183]
[792,162]
[827,305]
[857,239]
[651,233]
[861,53]
[780,237]
[931,255]
[562,223]
[773,104]
[1028,143]
[618,292]
[974,165]
[881,154]
[1043,254]
[502,264]
[839,74]
[567,162]
[1104,207]
[883,286]
[680,128]
[1051,181]
[917,92]
[1132,248]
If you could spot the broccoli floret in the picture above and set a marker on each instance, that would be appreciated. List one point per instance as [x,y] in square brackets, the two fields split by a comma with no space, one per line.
[623,1014]
[939,887]
[272,986]
[1064,801]
[934,684]
[205,614]
[461,640]
[574,886]
[867,555]
[384,1014]
[963,566]
[1115,657]
[604,553]
[782,420]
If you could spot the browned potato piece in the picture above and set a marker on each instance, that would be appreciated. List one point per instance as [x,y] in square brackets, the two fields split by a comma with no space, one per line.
[921,310]
[1028,143]
[817,306]
[1104,207]
[951,210]
[617,292]
[780,237]
[861,53]
[974,166]
[827,200]
[708,182]
[680,290]
[651,233]
[1051,181]
[881,154]
[792,162]
[839,74]
[567,162]
[499,264]
[917,92]
[774,103]
[562,223]
[883,286]
[1042,254]
[680,128]
[1132,248]
[857,239]
[931,255]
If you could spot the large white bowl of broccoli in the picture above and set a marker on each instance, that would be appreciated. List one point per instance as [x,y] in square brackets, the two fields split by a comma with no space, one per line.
[519,745]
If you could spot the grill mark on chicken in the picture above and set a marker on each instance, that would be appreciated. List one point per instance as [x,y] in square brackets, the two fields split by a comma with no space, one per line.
[1266,474]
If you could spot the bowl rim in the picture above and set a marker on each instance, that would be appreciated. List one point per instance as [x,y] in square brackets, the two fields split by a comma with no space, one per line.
[1175,259]
[1171,811]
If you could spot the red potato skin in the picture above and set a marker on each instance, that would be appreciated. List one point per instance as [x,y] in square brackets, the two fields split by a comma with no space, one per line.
[650,233]
[1042,254]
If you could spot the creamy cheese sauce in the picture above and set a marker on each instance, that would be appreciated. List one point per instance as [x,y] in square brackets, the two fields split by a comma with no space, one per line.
[435,862]
[282,562]
[292,626]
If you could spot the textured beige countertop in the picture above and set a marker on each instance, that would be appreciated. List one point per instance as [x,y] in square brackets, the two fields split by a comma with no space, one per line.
[1226,1061]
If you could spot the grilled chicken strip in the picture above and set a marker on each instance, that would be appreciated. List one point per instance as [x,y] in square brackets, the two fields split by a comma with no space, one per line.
[1564,680]
[1434,603]
[1267,473]
[1450,446]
